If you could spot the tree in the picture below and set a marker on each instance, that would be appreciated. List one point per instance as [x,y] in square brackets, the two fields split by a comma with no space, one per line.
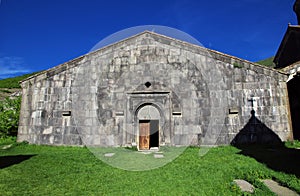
[9,116]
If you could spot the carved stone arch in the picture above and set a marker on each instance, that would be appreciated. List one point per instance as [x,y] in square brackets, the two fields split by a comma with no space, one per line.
[150,119]
[151,105]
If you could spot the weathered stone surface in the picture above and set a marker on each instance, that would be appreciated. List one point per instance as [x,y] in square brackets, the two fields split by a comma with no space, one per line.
[100,98]
[245,186]
[109,154]
[158,156]
[279,190]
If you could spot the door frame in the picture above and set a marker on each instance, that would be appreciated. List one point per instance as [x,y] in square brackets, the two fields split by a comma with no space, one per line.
[161,120]
[148,136]
[152,123]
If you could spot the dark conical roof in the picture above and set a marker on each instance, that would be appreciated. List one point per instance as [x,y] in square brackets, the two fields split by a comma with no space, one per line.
[297,10]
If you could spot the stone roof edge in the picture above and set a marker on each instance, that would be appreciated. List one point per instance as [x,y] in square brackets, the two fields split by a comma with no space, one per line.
[81,57]
[213,51]
[216,52]
[294,26]
[53,68]
[287,68]
[246,61]
[137,35]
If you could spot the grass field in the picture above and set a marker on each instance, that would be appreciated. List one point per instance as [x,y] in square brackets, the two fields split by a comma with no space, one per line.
[45,170]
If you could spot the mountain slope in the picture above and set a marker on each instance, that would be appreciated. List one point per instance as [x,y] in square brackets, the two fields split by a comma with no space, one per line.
[267,62]
[9,86]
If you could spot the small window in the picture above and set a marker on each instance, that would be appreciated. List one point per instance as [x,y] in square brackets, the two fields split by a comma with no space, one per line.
[233,111]
[176,113]
[66,113]
[147,84]
[119,113]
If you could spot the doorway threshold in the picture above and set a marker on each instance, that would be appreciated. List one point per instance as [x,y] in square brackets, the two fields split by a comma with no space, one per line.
[152,149]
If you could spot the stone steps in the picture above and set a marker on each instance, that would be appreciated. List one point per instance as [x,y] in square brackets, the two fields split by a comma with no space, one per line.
[271,184]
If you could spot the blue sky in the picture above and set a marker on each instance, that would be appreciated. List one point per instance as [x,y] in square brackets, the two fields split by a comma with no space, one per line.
[40,34]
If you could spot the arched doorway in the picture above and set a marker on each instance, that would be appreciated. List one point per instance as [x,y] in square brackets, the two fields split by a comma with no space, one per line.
[148,119]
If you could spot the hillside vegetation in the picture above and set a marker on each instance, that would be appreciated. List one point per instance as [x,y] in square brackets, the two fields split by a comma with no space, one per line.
[9,86]
[267,62]
[9,116]
[10,107]
[15,81]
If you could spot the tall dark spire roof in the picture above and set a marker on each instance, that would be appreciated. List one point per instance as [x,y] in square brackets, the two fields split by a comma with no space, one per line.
[288,51]
[297,10]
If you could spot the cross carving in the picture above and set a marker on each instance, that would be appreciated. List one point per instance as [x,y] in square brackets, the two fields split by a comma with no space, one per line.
[252,101]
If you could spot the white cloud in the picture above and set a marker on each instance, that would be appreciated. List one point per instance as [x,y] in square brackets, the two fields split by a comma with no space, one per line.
[12,66]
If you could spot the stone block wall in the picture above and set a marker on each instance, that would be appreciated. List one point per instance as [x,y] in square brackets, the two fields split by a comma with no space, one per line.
[203,96]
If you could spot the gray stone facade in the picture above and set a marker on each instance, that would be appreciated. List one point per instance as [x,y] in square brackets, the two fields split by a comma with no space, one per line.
[195,95]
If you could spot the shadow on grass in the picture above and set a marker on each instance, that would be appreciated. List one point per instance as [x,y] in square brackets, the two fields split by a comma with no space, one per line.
[258,141]
[7,161]
[278,158]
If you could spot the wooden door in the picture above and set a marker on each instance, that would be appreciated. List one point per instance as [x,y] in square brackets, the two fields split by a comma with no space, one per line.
[144,137]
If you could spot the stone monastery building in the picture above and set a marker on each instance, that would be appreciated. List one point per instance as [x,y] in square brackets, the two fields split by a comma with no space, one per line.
[150,90]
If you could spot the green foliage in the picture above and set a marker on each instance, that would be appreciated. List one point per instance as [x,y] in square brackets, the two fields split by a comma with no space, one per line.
[8,140]
[235,188]
[288,181]
[9,116]
[267,62]
[133,148]
[52,170]
[237,65]
[15,81]
[292,144]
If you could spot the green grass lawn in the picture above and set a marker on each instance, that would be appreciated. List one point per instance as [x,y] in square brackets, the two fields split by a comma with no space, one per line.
[45,170]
